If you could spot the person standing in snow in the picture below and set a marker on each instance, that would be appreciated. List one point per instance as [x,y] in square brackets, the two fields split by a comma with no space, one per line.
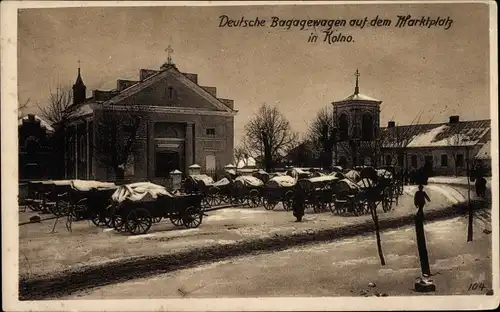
[299,200]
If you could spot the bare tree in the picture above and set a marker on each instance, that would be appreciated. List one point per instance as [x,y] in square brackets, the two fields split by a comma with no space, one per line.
[116,132]
[239,153]
[56,108]
[21,108]
[316,128]
[269,135]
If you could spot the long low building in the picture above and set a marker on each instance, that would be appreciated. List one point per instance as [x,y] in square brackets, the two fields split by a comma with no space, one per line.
[444,147]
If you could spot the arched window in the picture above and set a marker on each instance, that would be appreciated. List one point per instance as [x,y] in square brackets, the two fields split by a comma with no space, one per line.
[367,128]
[343,127]
[31,145]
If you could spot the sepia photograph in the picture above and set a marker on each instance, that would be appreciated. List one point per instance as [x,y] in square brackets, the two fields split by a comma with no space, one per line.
[249,156]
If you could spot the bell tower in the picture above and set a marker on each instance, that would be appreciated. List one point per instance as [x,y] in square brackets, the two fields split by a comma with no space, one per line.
[357,120]
[79,89]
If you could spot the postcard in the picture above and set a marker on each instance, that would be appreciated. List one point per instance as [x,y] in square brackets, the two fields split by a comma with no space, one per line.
[226,156]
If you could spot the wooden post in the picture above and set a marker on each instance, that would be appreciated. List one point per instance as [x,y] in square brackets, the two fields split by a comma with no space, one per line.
[470,230]
[421,244]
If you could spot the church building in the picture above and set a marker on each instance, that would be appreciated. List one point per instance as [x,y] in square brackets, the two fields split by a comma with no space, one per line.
[146,128]
[446,148]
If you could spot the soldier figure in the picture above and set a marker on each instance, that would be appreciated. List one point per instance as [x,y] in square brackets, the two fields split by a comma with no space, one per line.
[299,203]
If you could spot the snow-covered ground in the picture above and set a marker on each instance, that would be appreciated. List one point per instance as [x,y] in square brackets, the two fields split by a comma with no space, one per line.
[342,268]
[42,252]
[454,180]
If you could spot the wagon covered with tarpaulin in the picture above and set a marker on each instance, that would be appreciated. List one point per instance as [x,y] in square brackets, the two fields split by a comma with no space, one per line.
[136,206]
[248,190]
[200,184]
[279,189]
[319,191]
[90,199]
[221,191]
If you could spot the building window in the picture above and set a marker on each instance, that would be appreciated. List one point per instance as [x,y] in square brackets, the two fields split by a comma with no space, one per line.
[444,160]
[210,132]
[388,160]
[367,128]
[400,160]
[414,162]
[343,127]
[460,160]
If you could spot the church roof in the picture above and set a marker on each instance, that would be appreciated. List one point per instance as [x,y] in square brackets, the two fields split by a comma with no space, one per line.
[115,96]
[356,96]
[460,134]
[359,97]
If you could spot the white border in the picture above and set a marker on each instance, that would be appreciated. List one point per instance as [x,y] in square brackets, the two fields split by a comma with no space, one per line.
[10,242]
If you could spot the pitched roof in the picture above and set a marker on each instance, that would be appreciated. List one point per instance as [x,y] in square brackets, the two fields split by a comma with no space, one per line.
[464,133]
[117,96]
[484,152]
[43,123]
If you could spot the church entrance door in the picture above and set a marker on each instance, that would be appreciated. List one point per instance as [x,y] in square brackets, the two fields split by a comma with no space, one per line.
[166,162]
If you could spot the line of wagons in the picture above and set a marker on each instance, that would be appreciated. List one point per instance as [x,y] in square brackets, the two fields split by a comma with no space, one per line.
[341,191]
[129,208]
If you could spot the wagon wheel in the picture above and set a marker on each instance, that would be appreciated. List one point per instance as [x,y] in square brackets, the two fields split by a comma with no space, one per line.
[213,200]
[192,217]
[205,202]
[253,199]
[288,201]
[269,204]
[33,207]
[60,209]
[100,220]
[386,203]
[118,222]
[176,220]
[138,221]
[156,219]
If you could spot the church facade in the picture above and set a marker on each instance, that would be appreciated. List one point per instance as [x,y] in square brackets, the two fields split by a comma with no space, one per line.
[446,148]
[145,129]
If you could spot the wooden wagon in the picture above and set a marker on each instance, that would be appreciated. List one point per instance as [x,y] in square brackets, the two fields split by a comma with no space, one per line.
[200,184]
[319,191]
[247,190]
[136,205]
[221,191]
[91,199]
[279,189]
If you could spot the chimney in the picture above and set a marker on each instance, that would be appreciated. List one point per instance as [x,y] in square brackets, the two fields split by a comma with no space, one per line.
[454,119]
[391,124]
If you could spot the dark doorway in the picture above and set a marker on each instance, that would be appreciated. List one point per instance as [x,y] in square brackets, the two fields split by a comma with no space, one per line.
[166,162]
[428,166]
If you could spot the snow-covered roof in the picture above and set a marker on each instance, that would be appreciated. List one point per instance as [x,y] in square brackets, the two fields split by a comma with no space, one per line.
[359,97]
[82,110]
[195,166]
[464,133]
[248,162]
[484,152]
[43,123]
[230,166]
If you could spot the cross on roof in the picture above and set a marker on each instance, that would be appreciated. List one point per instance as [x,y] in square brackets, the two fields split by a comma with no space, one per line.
[356,90]
[169,50]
